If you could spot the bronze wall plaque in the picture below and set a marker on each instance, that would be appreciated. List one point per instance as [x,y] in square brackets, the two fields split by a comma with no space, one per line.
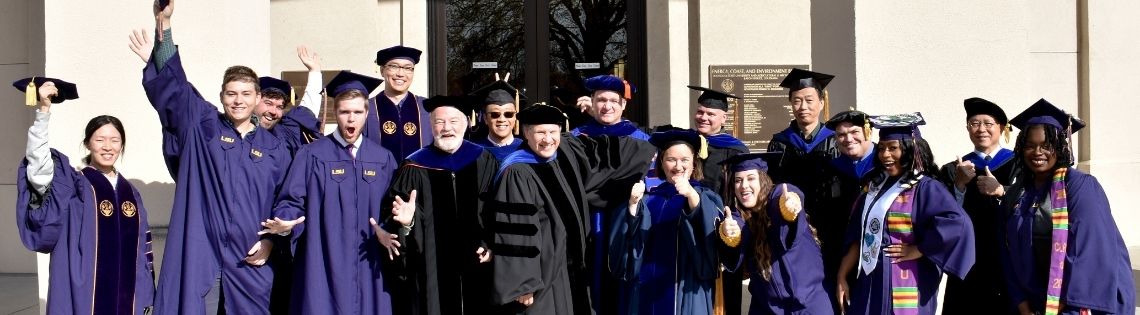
[763,108]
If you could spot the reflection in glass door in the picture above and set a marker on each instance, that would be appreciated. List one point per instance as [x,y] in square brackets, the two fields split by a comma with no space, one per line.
[548,46]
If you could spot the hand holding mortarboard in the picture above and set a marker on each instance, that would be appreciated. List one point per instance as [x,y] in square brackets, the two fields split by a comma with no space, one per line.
[163,10]
[45,91]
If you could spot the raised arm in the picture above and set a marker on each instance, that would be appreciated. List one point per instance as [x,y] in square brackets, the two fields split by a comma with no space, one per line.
[40,165]
[311,99]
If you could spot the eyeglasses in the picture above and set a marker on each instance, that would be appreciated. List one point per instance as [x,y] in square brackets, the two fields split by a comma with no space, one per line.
[976,124]
[496,115]
[397,68]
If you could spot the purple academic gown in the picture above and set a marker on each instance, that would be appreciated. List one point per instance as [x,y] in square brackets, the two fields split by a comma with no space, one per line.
[1098,273]
[337,260]
[67,225]
[667,260]
[796,282]
[400,129]
[944,235]
[298,127]
[224,188]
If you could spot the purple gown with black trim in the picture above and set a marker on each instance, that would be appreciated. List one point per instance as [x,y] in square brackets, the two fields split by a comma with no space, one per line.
[401,129]
[224,188]
[796,284]
[337,264]
[942,232]
[101,260]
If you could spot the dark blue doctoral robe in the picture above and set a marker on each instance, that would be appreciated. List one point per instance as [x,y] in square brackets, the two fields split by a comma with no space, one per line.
[667,259]
[65,223]
[338,258]
[224,187]
[796,282]
[500,153]
[942,232]
[401,129]
[1098,272]
[298,127]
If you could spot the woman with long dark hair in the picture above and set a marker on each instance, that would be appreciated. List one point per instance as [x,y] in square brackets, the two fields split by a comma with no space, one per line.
[909,230]
[1062,252]
[92,221]
[782,251]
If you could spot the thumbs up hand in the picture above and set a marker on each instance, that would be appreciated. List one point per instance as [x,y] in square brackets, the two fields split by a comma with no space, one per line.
[989,185]
[963,173]
[729,229]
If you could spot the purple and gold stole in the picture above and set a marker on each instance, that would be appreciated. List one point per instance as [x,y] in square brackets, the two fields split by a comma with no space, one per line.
[1060,215]
[117,227]
[904,286]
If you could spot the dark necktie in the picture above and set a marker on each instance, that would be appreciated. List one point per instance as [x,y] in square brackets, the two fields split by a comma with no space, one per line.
[349,148]
[988,159]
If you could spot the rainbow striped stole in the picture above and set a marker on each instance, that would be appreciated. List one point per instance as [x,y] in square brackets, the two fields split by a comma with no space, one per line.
[1060,215]
[900,228]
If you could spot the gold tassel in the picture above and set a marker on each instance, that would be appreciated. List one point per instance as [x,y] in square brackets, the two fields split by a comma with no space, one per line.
[826,105]
[292,96]
[30,93]
[1006,132]
[472,120]
[518,107]
[718,294]
[866,127]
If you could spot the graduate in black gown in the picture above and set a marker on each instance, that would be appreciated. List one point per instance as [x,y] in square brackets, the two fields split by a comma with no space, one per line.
[1062,253]
[978,180]
[443,263]
[541,194]
[843,185]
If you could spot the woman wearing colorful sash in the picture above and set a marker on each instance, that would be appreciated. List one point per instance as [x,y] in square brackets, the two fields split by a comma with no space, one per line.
[1062,253]
[664,249]
[91,221]
[908,232]
[782,251]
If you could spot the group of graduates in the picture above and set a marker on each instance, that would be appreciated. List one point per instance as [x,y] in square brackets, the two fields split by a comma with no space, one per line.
[409,208]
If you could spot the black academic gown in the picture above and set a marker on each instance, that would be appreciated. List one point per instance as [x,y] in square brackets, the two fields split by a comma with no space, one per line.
[541,224]
[984,284]
[438,270]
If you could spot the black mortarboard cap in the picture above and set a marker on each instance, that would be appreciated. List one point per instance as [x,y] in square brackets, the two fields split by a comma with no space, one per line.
[542,114]
[67,90]
[854,117]
[347,80]
[610,83]
[751,161]
[398,51]
[499,93]
[275,85]
[463,103]
[980,106]
[664,139]
[712,98]
[1043,112]
[799,79]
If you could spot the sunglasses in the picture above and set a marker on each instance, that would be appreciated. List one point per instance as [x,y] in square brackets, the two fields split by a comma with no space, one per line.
[496,115]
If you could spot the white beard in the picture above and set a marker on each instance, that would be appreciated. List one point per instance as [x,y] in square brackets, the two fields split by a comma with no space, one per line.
[448,144]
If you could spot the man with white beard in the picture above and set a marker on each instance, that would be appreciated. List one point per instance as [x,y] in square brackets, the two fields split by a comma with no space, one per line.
[442,254]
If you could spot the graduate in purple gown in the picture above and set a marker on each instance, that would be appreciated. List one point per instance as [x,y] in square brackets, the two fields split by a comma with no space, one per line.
[1062,252]
[908,232]
[502,102]
[296,124]
[396,117]
[781,250]
[335,187]
[227,172]
[92,221]
[443,263]
[665,249]
[540,199]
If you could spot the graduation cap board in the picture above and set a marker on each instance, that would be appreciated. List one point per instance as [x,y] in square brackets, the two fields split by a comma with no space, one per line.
[979,106]
[664,139]
[464,103]
[899,126]
[712,98]
[542,114]
[1043,112]
[347,80]
[398,51]
[853,117]
[275,85]
[30,87]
